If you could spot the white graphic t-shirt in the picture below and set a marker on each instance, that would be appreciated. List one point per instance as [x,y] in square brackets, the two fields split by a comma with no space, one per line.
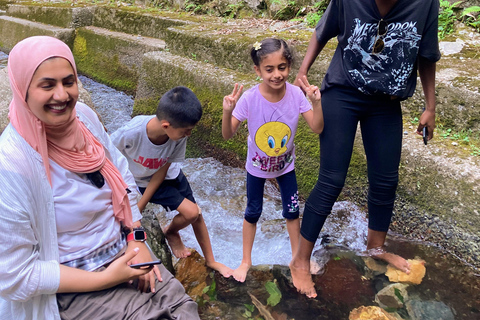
[144,157]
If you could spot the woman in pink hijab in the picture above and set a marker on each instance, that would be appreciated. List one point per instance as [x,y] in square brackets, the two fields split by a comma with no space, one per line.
[68,206]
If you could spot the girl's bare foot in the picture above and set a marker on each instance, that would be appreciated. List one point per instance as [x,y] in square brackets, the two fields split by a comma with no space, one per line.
[220,267]
[393,259]
[176,244]
[240,274]
[302,279]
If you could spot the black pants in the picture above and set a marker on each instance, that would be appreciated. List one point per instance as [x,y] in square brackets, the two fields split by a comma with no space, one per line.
[381,126]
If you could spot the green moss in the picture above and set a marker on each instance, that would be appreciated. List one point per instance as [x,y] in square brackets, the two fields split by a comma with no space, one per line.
[96,57]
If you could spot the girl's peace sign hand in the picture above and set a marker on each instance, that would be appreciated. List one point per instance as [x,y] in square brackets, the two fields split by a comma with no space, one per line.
[312,91]
[230,101]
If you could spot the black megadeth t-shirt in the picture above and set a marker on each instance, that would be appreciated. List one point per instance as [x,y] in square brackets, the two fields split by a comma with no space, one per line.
[409,30]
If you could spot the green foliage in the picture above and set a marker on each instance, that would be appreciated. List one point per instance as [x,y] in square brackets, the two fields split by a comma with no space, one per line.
[234,9]
[275,294]
[470,15]
[398,294]
[210,290]
[249,309]
[316,13]
[447,18]
[449,13]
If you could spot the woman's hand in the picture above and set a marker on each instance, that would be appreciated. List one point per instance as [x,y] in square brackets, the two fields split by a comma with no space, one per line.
[147,280]
[230,101]
[427,119]
[298,80]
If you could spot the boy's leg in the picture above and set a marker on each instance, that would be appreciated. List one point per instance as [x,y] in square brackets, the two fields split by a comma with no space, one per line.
[203,238]
[255,188]
[188,212]
[181,199]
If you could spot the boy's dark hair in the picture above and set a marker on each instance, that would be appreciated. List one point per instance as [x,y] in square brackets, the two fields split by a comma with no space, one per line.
[268,46]
[179,106]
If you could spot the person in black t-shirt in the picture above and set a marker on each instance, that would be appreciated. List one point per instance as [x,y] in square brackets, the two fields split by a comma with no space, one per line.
[381,44]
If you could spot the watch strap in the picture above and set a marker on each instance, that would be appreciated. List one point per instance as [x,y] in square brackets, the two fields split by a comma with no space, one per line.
[138,234]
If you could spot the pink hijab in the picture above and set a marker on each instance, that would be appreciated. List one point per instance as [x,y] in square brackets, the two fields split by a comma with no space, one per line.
[71,145]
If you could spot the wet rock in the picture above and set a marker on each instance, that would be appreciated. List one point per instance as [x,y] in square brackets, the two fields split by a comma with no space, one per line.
[193,274]
[370,313]
[377,267]
[392,296]
[341,282]
[426,310]
[156,238]
[417,272]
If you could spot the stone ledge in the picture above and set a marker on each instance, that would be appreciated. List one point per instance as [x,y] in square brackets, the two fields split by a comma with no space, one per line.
[112,58]
[65,17]
[13,30]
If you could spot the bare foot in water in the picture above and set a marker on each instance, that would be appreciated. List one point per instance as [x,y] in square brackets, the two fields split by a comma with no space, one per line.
[393,259]
[220,267]
[302,279]
[176,244]
[240,274]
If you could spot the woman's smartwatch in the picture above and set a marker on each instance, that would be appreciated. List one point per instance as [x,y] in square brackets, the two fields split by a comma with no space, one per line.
[138,234]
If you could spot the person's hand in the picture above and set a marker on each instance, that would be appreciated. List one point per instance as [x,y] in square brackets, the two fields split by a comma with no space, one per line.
[146,280]
[427,119]
[313,93]
[230,101]
[119,270]
[298,80]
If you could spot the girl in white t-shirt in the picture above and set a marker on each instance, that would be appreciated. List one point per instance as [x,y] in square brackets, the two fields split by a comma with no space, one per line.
[272,109]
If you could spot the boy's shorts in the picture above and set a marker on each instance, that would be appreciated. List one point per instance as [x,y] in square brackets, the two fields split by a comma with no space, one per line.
[171,193]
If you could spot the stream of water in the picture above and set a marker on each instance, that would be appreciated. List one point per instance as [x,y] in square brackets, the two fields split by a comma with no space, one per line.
[220,192]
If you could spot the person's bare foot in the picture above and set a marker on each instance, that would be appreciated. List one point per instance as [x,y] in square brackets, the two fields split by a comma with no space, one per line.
[390,258]
[240,274]
[302,279]
[176,244]
[220,267]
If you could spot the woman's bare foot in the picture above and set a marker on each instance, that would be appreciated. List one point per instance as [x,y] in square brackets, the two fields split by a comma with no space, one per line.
[220,267]
[240,274]
[393,259]
[176,244]
[302,279]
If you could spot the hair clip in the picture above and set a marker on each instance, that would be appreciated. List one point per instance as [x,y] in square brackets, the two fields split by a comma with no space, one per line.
[257,46]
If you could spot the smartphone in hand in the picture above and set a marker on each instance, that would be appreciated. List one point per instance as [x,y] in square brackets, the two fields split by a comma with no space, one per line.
[425,135]
[145,264]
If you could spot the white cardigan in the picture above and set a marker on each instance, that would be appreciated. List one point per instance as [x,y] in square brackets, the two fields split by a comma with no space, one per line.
[29,268]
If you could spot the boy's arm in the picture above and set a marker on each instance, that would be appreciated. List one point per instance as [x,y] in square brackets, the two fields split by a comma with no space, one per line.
[155,182]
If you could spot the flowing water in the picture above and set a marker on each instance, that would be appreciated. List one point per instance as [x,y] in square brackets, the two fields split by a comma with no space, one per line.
[220,192]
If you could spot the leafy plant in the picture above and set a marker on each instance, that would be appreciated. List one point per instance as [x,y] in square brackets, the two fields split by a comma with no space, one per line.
[470,15]
[250,308]
[316,13]
[447,17]
[211,291]
[398,294]
[275,294]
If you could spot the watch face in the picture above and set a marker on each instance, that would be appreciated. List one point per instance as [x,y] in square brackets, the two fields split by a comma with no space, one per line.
[139,235]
